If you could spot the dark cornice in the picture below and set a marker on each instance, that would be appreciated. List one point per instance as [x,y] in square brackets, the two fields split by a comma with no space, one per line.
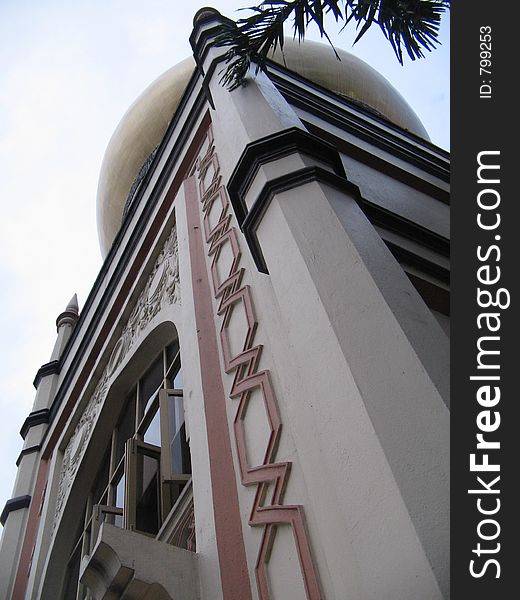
[14,504]
[271,148]
[283,184]
[391,221]
[51,368]
[26,451]
[349,117]
[200,41]
[382,164]
[295,140]
[36,417]
[402,255]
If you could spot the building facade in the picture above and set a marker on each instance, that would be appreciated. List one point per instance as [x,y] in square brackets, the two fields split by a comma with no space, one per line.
[253,402]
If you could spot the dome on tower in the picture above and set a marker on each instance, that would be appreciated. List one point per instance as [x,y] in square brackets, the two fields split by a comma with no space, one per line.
[144,124]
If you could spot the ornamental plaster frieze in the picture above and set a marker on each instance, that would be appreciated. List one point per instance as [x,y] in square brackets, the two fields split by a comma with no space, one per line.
[162,285]
[162,288]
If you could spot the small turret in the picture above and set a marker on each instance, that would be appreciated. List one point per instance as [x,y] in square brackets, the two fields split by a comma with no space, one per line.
[70,315]
[65,323]
[15,513]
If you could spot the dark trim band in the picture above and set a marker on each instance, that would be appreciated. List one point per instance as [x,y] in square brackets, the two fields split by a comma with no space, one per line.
[273,147]
[413,150]
[295,140]
[391,221]
[402,255]
[283,184]
[26,451]
[50,368]
[37,417]
[381,164]
[14,504]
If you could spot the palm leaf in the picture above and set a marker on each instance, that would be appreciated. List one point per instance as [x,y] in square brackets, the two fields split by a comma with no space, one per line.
[410,25]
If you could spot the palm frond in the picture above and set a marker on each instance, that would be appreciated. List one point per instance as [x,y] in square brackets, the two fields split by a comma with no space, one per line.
[410,25]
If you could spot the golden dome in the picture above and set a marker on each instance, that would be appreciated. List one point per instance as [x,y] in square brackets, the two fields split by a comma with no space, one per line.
[351,77]
[143,125]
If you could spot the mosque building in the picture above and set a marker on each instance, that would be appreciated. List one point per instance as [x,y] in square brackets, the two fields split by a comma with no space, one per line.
[252,404]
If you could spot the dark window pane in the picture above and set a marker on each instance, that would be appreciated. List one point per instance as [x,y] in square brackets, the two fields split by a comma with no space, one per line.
[179,449]
[171,354]
[72,576]
[151,382]
[126,426]
[147,507]
[180,453]
[101,481]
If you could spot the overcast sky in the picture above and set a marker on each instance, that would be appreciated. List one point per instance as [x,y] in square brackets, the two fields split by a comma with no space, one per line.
[68,71]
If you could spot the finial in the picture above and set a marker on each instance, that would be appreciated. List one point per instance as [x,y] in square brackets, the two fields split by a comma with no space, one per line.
[73,304]
[70,314]
[204,13]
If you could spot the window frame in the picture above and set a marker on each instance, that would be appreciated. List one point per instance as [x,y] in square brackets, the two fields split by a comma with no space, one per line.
[105,509]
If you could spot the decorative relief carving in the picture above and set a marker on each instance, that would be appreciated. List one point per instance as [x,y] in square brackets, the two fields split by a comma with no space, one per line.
[162,286]
[268,510]
[184,533]
[78,441]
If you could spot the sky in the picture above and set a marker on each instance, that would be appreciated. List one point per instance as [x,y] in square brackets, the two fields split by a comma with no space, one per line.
[68,71]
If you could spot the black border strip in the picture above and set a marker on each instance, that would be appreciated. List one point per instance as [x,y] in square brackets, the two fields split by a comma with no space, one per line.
[26,451]
[14,504]
[402,255]
[37,417]
[283,184]
[296,140]
[273,147]
[381,164]
[386,219]
[416,151]
[51,368]
[484,497]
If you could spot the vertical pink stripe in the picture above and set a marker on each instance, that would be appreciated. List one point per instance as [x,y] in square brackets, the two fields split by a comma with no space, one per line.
[228,526]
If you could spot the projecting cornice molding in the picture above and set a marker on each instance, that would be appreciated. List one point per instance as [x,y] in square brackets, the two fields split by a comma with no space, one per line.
[351,118]
[272,147]
[37,417]
[328,169]
[26,451]
[50,368]
[14,504]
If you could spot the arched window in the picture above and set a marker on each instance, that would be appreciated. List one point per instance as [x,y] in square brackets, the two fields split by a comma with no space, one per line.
[146,470]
